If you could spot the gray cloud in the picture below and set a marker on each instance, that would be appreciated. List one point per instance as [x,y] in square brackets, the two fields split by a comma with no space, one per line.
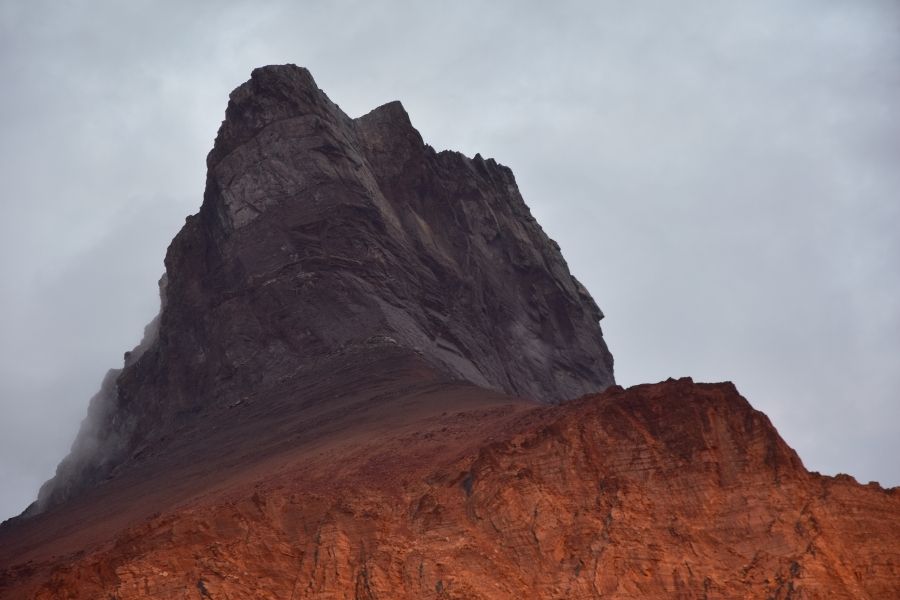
[721,176]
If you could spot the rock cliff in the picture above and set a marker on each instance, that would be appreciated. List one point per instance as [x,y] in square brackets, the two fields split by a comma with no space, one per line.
[353,391]
[439,489]
[319,232]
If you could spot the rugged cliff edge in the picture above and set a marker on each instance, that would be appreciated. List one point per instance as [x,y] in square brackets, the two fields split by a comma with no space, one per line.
[417,487]
[318,232]
[353,390]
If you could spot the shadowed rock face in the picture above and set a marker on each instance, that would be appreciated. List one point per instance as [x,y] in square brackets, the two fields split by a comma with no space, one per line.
[349,229]
[318,233]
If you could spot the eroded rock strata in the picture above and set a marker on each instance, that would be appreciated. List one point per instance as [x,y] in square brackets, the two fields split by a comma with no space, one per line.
[673,490]
[352,391]
[318,232]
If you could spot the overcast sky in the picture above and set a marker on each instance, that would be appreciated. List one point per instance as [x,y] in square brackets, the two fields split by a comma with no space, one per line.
[724,177]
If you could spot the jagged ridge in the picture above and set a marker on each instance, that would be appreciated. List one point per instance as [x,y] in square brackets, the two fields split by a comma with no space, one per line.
[318,232]
[672,490]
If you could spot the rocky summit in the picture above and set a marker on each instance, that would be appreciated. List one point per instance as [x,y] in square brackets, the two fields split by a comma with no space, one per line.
[319,235]
[373,376]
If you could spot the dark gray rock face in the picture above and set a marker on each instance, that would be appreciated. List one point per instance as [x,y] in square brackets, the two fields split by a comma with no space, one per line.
[319,233]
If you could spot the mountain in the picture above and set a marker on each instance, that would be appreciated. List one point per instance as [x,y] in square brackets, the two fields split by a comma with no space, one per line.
[319,233]
[373,376]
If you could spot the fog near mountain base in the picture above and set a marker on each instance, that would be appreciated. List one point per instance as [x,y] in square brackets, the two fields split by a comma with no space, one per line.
[720,176]
[104,431]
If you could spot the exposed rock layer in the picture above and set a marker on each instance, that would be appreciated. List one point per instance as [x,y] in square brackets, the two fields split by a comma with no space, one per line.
[674,490]
[318,232]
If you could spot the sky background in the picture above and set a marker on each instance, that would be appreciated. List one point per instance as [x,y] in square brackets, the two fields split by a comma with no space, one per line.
[724,177]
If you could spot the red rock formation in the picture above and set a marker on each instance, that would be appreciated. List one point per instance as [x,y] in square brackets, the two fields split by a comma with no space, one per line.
[349,394]
[673,490]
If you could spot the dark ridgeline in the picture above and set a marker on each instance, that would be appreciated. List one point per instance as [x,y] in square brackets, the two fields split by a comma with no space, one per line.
[321,235]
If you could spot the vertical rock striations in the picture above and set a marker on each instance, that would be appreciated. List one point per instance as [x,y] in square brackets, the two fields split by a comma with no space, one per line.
[672,490]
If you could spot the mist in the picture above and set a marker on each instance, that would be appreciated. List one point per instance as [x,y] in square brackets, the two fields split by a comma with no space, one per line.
[722,177]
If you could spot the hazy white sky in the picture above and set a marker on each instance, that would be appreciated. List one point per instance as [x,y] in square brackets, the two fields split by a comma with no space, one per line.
[724,177]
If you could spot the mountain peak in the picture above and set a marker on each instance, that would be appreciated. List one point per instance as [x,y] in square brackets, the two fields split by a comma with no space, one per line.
[354,389]
[273,93]
[320,235]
